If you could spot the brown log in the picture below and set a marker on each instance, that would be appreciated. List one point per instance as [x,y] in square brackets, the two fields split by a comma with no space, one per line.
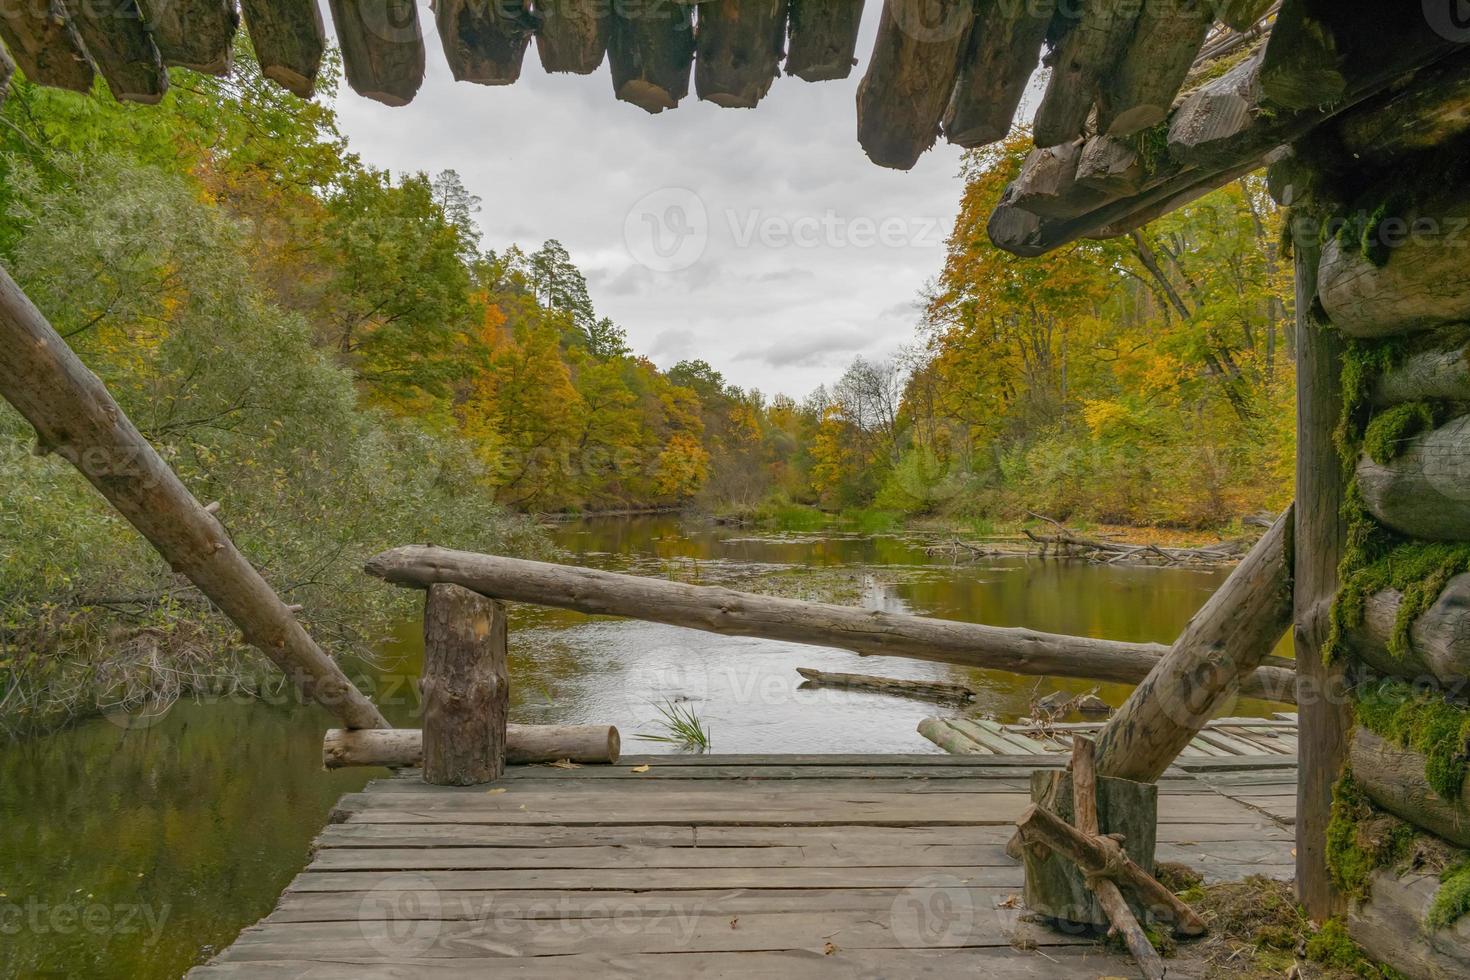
[572,35]
[823,39]
[382,48]
[1424,491]
[485,41]
[930,690]
[738,51]
[1085,57]
[289,38]
[1220,122]
[1166,37]
[1390,926]
[1226,640]
[1323,713]
[1111,166]
[45,44]
[1439,638]
[910,76]
[1436,370]
[1047,184]
[397,748]
[1428,113]
[1002,54]
[1304,66]
[720,610]
[1105,857]
[1393,778]
[466,687]
[651,51]
[76,418]
[116,37]
[196,34]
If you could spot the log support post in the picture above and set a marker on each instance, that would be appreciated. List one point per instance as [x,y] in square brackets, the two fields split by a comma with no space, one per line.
[466,687]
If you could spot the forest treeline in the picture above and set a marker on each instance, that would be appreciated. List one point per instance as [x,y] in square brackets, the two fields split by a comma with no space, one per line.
[330,352]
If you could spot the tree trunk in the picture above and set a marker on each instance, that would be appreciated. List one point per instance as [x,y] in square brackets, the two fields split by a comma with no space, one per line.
[1322,709]
[466,687]
[485,40]
[46,45]
[1424,491]
[993,75]
[719,610]
[1226,640]
[651,51]
[76,418]
[573,34]
[1439,639]
[1393,777]
[524,745]
[289,39]
[739,45]
[197,34]
[382,48]
[823,39]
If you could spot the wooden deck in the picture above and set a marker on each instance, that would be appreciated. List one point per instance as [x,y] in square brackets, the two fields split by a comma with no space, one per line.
[721,866]
[1221,738]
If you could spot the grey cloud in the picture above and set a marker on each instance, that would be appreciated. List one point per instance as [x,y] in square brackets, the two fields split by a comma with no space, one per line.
[823,347]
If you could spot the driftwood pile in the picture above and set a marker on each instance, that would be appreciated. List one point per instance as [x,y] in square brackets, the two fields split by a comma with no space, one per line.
[1064,542]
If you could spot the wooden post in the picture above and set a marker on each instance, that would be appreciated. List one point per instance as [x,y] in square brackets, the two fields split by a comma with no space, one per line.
[466,688]
[75,417]
[1322,708]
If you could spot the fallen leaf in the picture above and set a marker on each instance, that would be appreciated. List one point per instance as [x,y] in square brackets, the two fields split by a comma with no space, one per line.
[829,948]
[735,922]
[642,768]
[1293,852]
[498,789]
[563,764]
[1011,902]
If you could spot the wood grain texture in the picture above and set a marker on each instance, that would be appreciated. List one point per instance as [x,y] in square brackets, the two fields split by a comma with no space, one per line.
[466,687]
[1084,58]
[1393,777]
[823,38]
[1003,52]
[1390,927]
[651,52]
[382,48]
[1160,51]
[1425,282]
[572,35]
[738,50]
[45,45]
[1439,638]
[484,40]
[1424,491]
[196,34]
[119,44]
[289,39]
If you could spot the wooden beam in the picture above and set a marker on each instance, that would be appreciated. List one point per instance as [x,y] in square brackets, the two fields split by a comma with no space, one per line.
[1393,777]
[398,748]
[195,34]
[75,417]
[1436,367]
[1321,534]
[1421,492]
[719,610]
[1391,925]
[484,41]
[823,39]
[124,53]
[651,51]
[1110,165]
[738,51]
[45,44]
[466,687]
[1083,60]
[289,38]
[911,75]
[1048,186]
[1140,92]
[1226,640]
[382,48]
[572,35]
[1439,637]
[1004,49]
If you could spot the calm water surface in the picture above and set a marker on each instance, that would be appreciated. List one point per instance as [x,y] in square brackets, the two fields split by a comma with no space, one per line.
[134,847]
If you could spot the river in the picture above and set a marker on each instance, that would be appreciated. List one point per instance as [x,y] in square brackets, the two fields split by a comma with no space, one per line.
[135,846]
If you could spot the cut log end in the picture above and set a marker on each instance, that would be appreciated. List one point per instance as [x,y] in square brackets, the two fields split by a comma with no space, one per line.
[292,81]
[647,96]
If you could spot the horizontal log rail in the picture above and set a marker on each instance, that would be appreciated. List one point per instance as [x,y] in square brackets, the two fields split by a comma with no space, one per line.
[726,611]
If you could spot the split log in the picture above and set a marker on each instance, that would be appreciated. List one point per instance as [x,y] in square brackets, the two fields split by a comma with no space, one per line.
[572,35]
[382,48]
[951,741]
[196,34]
[738,51]
[1004,48]
[1424,491]
[397,748]
[720,610]
[1393,778]
[1047,184]
[76,418]
[651,51]
[1438,369]
[289,38]
[1105,857]
[466,687]
[823,39]
[1390,926]
[485,41]
[915,62]
[1166,37]
[118,41]
[1085,57]
[1439,638]
[1219,122]
[45,44]
[929,690]
[1226,640]
[1111,166]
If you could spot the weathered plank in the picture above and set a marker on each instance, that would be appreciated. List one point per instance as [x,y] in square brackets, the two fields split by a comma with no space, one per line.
[999,60]
[835,855]
[485,40]
[738,50]
[289,38]
[651,51]
[823,38]
[382,48]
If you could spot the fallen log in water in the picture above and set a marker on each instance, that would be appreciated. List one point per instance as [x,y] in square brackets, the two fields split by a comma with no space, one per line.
[524,744]
[930,690]
[863,631]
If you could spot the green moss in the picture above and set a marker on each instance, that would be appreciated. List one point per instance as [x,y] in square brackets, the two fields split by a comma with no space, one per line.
[1424,722]
[1332,947]
[1361,840]
[1418,569]
[1359,228]
[1152,146]
[1452,901]
[1390,429]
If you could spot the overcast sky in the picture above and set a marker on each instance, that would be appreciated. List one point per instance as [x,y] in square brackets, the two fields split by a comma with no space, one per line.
[763,241]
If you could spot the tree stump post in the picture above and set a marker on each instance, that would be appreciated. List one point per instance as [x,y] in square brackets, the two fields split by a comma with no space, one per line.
[466,689]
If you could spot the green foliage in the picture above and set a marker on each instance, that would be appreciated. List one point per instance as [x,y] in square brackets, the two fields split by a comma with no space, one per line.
[1422,721]
[1391,429]
[682,727]
[1332,947]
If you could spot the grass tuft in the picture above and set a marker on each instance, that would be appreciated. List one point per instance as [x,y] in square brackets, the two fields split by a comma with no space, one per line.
[681,726]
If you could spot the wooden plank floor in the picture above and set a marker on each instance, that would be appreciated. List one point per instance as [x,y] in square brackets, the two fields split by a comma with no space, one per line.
[718,866]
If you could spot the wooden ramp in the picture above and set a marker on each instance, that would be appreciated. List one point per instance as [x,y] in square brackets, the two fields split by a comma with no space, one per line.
[716,866]
[1222,738]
